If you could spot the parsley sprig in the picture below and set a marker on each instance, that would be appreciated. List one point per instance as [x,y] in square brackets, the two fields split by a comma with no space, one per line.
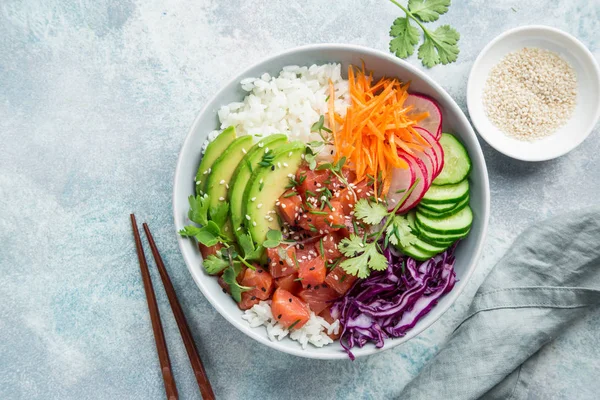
[439,46]
[364,252]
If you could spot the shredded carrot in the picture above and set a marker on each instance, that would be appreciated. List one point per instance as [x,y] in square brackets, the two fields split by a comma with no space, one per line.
[376,127]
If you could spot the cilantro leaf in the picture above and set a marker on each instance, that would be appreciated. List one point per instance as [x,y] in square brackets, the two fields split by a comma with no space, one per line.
[274,238]
[439,46]
[219,213]
[251,253]
[317,126]
[405,37]
[370,259]
[400,232]
[198,209]
[213,264]
[236,290]
[189,231]
[208,235]
[351,246]
[371,213]
[428,10]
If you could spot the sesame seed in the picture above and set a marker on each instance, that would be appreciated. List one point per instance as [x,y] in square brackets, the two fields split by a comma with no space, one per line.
[319,185]
[261,144]
[205,172]
[244,150]
[209,170]
[227,185]
[266,149]
[530,93]
[198,183]
[290,154]
[247,217]
[222,182]
[277,203]
[253,223]
[259,205]
[270,219]
[261,181]
[253,199]
[283,206]
[278,165]
[285,164]
[221,198]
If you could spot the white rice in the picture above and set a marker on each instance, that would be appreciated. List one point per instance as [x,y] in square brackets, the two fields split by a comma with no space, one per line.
[289,103]
[315,331]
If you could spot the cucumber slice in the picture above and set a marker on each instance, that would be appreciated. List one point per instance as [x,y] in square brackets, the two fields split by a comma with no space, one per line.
[437,238]
[416,253]
[438,208]
[457,163]
[447,193]
[423,240]
[437,243]
[443,214]
[428,247]
[455,224]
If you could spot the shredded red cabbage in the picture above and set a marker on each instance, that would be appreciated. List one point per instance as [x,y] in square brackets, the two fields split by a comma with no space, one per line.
[389,303]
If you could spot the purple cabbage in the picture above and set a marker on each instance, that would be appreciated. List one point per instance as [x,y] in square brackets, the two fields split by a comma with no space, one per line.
[389,303]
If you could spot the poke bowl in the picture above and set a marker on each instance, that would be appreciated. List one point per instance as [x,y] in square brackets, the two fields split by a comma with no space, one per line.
[331,201]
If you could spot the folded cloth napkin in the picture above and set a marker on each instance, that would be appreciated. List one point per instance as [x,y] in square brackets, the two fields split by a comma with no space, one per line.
[548,279]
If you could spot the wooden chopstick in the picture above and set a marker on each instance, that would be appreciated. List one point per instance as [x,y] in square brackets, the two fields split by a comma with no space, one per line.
[159,336]
[199,371]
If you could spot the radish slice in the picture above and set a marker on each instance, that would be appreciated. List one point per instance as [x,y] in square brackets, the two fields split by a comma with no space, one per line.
[436,147]
[422,103]
[402,180]
[421,187]
[431,151]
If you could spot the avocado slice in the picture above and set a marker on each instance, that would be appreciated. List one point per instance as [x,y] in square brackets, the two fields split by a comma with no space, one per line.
[265,187]
[242,174]
[219,178]
[213,151]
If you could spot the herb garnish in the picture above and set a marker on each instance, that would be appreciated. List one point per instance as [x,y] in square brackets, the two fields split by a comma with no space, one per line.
[439,46]
[363,254]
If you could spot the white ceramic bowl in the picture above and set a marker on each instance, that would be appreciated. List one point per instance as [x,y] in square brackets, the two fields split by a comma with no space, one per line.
[455,121]
[586,112]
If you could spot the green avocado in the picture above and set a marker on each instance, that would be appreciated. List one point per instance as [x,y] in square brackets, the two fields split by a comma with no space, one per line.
[212,152]
[242,174]
[266,185]
[222,170]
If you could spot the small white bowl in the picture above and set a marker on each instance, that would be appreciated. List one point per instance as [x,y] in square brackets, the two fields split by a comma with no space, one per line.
[587,110]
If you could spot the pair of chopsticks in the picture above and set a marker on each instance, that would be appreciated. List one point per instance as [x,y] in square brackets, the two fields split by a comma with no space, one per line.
[159,336]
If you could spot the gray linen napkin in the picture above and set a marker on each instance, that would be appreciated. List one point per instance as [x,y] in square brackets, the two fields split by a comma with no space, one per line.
[548,279]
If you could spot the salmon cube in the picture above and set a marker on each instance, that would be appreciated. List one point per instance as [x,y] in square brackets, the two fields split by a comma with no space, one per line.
[289,310]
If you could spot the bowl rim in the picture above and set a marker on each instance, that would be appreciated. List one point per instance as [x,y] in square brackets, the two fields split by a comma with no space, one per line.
[454,294]
[471,105]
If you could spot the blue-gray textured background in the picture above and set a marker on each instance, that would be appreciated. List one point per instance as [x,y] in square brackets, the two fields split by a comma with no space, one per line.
[96,97]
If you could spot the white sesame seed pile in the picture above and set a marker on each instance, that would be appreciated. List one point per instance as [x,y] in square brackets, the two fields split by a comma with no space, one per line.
[530,93]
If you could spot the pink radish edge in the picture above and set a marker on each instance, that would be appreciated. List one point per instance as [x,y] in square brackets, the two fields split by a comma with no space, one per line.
[421,187]
[422,103]
[436,148]
[402,180]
